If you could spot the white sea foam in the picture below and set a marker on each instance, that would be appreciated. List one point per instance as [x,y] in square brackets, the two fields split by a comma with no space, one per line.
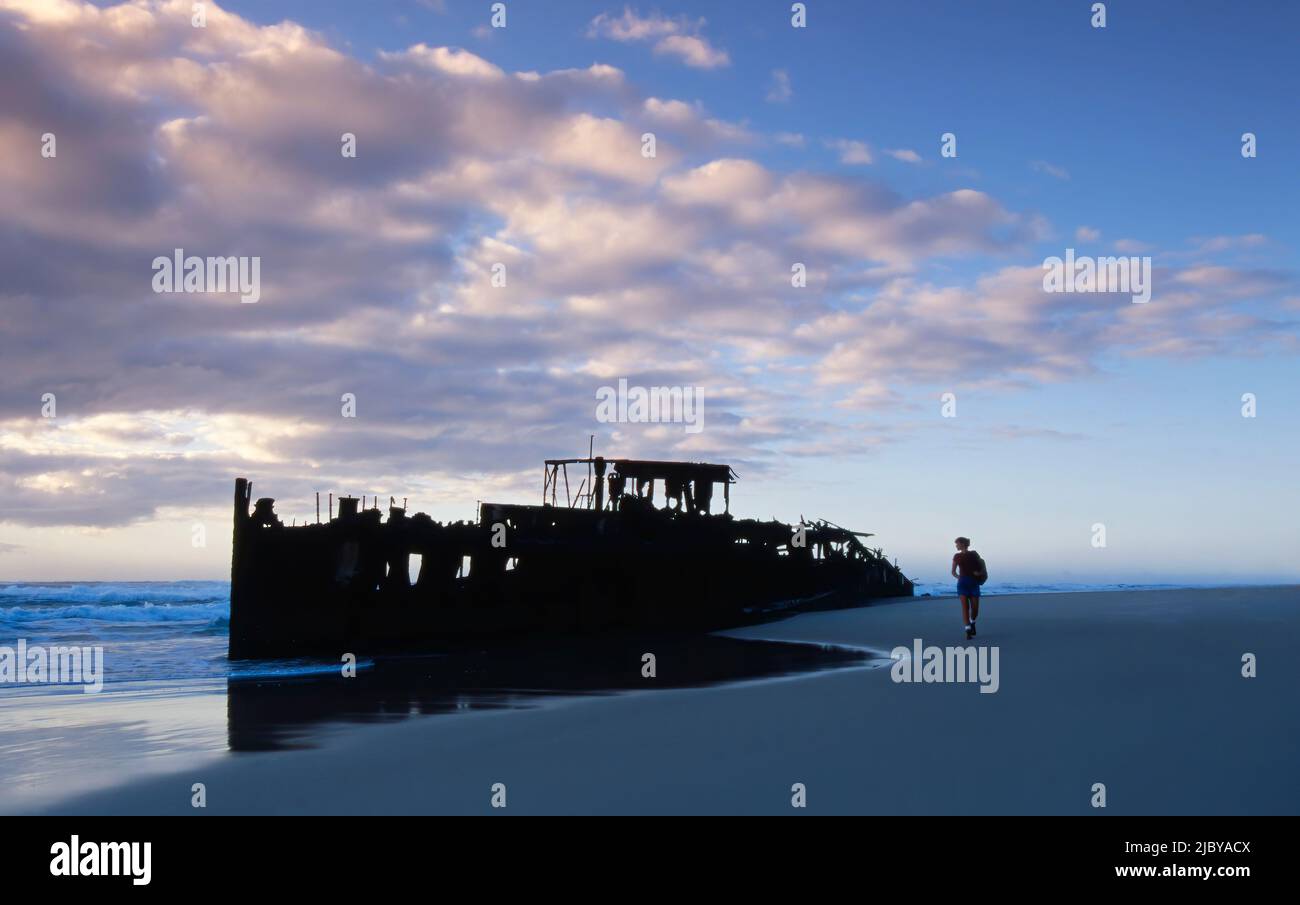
[139,613]
[127,593]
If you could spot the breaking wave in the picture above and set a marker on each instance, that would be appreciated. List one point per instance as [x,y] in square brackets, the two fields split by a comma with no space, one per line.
[140,613]
[150,631]
[108,593]
[122,603]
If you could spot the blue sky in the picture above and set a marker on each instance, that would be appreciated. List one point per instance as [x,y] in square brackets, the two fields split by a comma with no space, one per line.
[779,144]
[1138,113]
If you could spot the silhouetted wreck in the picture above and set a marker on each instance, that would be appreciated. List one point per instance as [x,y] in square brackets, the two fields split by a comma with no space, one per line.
[579,564]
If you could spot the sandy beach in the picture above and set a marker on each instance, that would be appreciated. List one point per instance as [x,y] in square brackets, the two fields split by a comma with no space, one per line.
[1142,691]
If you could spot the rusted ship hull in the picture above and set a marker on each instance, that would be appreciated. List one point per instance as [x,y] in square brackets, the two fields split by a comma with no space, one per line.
[345,585]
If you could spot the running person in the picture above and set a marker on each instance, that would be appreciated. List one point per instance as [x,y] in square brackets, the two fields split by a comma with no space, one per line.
[968,568]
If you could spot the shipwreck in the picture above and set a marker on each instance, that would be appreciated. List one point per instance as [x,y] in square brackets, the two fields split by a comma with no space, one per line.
[602,558]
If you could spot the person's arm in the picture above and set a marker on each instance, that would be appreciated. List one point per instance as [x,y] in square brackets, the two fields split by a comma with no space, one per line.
[954,564]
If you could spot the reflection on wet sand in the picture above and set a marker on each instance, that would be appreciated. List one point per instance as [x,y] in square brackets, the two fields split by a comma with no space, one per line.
[297,711]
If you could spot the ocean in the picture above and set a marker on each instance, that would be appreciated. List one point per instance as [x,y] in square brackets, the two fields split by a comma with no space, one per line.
[176,631]
[155,631]
[170,700]
[173,705]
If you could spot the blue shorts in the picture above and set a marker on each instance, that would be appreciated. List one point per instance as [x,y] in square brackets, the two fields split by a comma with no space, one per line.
[968,586]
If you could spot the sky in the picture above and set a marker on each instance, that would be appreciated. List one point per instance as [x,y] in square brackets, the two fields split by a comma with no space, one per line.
[920,385]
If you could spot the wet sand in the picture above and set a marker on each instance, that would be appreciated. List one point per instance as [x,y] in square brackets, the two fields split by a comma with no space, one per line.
[1140,690]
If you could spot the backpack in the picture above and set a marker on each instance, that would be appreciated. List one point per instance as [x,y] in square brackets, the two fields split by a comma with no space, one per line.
[984,571]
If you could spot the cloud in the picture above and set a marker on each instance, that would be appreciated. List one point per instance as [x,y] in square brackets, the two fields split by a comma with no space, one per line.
[1005,330]
[1217,244]
[604,146]
[1016,432]
[693,50]
[851,152]
[1042,166]
[692,123]
[1087,234]
[904,154]
[448,60]
[378,273]
[678,37]
[779,91]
